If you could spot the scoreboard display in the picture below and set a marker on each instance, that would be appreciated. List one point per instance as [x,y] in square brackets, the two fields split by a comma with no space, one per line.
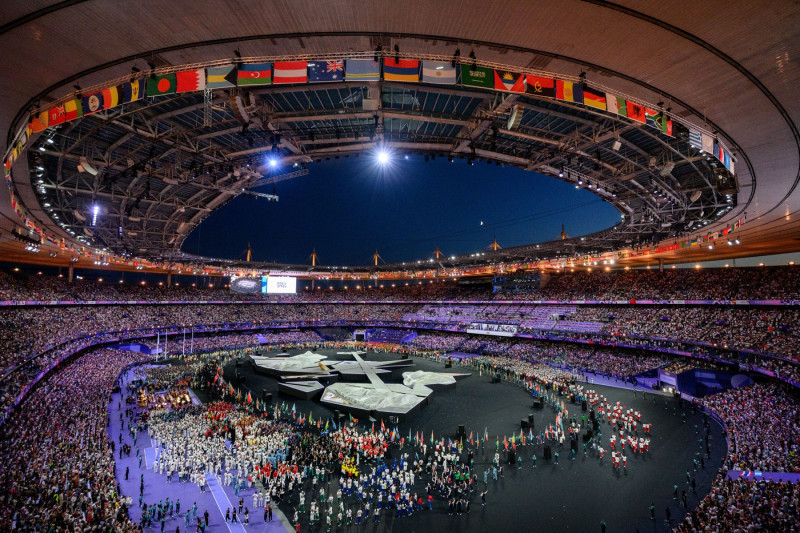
[264,284]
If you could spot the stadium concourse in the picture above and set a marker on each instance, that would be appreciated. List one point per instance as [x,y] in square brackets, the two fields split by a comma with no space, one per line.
[189,428]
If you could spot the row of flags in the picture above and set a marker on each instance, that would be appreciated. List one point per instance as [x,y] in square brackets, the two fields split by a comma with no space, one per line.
[708,144]
[337,70]
[299,72]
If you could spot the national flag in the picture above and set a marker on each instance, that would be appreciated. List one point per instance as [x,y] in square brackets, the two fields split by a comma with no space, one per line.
[249,398]
[594,99]
[132,91]
[326,424]
[505,442]
[190,80]
[290,72]
[718,151]
[696,139]
[728,162]
[221,77]
[432,438]
[635,112]
[539,86]
[505,80]
[92,103]
[569,91]
[477,76]
[616,105]
[383,428]
[362,70]
[57,115]
[254,74]
[658,119]
[400,69]
[438,72]
[325,71]
[293,408]
[707,143]
[157,85]
[111,97]
[216,378]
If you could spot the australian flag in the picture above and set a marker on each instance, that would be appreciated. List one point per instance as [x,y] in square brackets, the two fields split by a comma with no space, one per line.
[322,71]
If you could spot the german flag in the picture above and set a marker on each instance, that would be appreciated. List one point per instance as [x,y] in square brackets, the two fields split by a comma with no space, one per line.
[594,98]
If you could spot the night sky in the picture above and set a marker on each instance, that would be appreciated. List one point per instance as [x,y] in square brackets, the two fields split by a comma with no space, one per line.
[347,208]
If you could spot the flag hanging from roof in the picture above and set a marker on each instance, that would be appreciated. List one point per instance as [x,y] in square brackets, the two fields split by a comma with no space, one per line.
[132,91]
[635,112]
[190,80]
[221,77]
[593,98]
[477,76]
[539,86]
[362,70]
[569,91]
[438,72]
[325,71]
[92,103]
[505,80]
[658,119]
[57,115]
[695,139]
[158,85]
[400,69]
[111,97]
[290,72]
[255,74]
[39,122]
[616,105]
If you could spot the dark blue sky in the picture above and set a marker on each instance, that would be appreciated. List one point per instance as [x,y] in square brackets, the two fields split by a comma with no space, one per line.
[347,208]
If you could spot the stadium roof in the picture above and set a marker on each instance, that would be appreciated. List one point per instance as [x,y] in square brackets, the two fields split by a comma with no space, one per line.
[156,167]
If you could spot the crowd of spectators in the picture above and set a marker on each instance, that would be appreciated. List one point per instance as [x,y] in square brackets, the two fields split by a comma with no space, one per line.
[58,472]
[757,283]
[584,358]
[763,425]
[736,505]
[16,286]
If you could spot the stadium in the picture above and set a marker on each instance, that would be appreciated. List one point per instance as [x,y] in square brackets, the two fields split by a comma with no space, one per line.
[411,266]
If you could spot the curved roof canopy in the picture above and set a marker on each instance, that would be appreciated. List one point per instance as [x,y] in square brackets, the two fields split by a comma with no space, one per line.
[156,167]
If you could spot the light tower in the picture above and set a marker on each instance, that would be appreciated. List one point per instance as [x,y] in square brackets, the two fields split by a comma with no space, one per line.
[494,246]
[563,233]
[375,257]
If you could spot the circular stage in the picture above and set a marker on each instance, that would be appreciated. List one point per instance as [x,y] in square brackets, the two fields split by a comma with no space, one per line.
[575,494]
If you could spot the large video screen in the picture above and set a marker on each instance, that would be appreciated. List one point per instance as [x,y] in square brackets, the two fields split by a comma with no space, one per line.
[281,285]
[248,285]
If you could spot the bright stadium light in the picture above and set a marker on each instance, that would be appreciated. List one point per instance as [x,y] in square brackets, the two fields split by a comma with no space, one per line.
[273,162]
[383,156]
[95,212]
